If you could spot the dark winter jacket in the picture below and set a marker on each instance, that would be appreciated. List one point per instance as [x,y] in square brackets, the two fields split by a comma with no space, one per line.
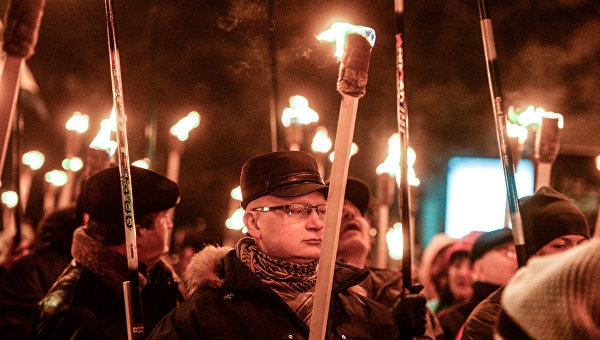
[230,302]
[87,300]
[23,285]
[453,318]
[28,279]
[481,323]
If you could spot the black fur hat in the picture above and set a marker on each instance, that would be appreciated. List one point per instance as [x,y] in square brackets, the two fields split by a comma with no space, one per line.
[101,194]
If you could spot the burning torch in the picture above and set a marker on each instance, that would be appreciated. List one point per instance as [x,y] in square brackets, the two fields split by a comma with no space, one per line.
[10,237]
[386,181]
[55,179]
[353,46]
[321,144]
[517,134]
[294,118]
[547,143]
[181,132]
[77,124]
[33,160]
[102,148]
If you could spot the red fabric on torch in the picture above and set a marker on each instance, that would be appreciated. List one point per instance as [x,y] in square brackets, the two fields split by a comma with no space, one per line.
[354,66]
[21,24]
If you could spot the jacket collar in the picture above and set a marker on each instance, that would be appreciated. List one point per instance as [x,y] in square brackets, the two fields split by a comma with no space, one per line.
[219,267]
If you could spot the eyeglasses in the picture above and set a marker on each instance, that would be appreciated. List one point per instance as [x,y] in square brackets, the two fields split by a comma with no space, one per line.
[297,209]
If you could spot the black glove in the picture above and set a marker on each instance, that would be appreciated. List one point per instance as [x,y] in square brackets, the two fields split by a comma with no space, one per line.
[410,313]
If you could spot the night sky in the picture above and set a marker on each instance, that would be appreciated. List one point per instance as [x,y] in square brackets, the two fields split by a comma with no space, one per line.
[216,57]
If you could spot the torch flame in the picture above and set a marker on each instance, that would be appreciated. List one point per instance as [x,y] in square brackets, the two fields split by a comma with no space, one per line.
[321,142]
[56,177]
[394,239]
[10,198]
[33,159]
[78,122]
[142,163]
[338,31]
[183,127]
[299,112]
[353,151]
[72,164]
[391,164]
[516,130]
[532,115]
[554,115]
[236,220]
[102,140]
[236,193]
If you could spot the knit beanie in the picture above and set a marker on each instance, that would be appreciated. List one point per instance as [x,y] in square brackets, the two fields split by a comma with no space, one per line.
[556,296]
[547,215]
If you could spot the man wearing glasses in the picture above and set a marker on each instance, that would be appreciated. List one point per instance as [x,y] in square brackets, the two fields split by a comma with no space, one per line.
[264,288]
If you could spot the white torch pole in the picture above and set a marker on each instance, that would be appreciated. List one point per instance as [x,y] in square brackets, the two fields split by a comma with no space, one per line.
[351,85]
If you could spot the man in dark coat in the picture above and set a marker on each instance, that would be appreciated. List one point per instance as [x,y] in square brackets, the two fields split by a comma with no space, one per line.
[29,278]
[551,224]
[383,285]
[87,300]
[264,288]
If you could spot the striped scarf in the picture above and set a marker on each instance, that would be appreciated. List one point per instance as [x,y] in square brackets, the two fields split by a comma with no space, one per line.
[294,283]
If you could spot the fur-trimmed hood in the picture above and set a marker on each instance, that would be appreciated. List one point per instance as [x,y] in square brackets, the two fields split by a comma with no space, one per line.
[203,268]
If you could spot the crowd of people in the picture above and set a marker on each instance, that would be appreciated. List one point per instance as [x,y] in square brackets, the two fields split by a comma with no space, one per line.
[70,285]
